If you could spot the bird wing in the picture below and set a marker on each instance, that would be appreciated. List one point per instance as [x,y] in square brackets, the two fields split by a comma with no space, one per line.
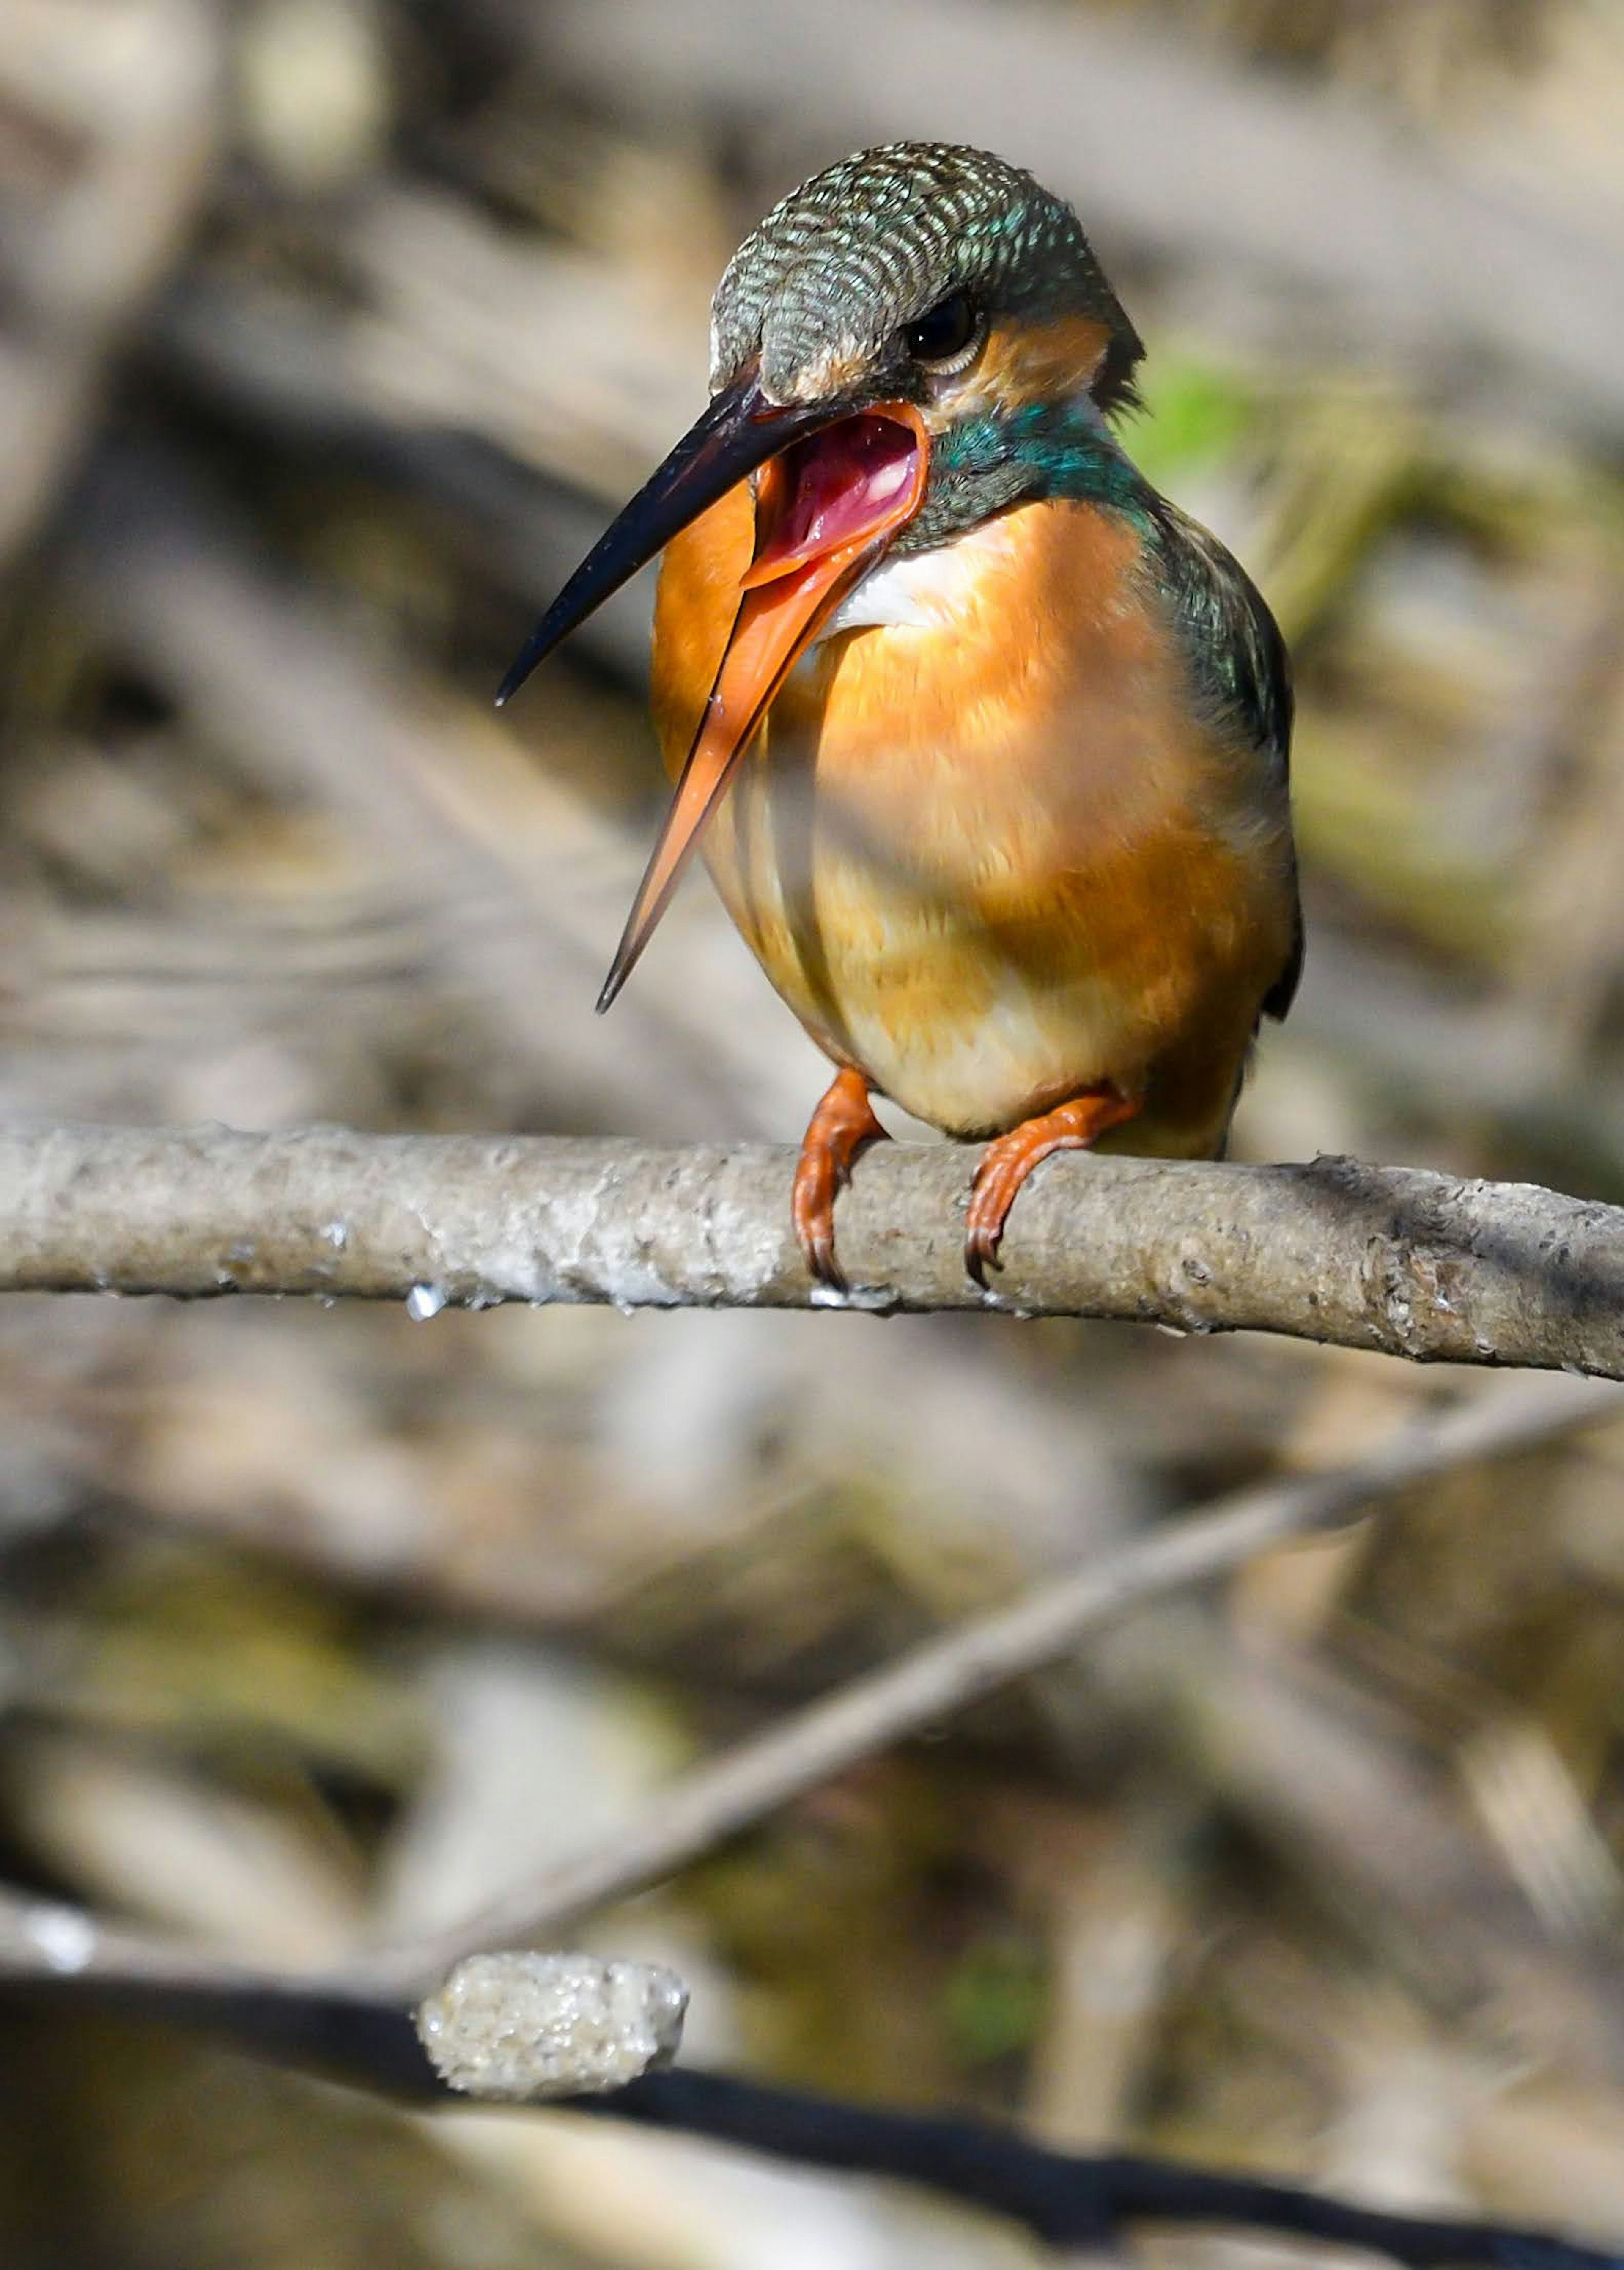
[1239,661]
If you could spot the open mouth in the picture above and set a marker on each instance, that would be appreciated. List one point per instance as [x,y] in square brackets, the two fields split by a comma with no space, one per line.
[832,490]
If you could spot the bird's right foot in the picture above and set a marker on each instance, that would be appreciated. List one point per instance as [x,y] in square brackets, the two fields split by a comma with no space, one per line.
[1006,1163]
[843,1123]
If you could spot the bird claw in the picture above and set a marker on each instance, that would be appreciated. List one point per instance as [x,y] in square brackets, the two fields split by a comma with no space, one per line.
[992,1193]
[1006,1162]
[811,1206]
[843,1123]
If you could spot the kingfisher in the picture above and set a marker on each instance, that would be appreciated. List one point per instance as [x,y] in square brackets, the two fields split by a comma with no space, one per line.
[986,742]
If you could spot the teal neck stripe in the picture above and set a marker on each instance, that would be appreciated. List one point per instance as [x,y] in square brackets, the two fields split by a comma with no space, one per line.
[984,463]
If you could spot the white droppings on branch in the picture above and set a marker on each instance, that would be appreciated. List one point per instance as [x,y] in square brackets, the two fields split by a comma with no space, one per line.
[522,2027]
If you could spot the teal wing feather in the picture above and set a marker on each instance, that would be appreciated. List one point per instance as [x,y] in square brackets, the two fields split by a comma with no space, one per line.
[1239,661]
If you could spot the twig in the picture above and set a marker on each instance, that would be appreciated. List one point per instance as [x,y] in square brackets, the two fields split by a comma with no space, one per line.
[946,1675]
[43,1943]
[1070,2199]
[358,2027]
[371,2042]
[1392,1258]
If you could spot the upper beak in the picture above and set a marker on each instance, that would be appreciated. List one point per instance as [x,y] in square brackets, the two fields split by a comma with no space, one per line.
[838,485]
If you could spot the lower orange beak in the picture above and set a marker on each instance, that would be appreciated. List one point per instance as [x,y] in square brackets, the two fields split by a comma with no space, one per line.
[825,509]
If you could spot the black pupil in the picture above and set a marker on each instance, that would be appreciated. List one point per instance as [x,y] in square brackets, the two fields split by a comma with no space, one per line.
[944,329]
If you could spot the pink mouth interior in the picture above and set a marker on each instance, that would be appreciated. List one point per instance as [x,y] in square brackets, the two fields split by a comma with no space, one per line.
[832,488]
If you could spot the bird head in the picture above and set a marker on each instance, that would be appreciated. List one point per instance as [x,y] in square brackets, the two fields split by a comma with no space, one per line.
[874,342]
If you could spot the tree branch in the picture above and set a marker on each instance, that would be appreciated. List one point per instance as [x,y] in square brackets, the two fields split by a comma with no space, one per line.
[947,1674]
[368,2040]
[1410,1263]
[1071,2199]
[40,1942]
[357,2026]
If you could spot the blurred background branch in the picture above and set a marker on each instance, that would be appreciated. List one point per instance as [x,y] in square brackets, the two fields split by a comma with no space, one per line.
[356,2025]
[1067,2200]
[951,1673]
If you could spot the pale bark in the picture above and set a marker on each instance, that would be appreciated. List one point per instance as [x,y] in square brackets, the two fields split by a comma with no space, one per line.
[1397,1259]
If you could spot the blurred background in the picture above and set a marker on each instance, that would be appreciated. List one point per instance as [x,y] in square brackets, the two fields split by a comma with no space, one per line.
[331,332]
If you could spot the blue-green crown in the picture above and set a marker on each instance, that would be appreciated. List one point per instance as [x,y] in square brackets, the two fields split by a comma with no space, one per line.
[843,264]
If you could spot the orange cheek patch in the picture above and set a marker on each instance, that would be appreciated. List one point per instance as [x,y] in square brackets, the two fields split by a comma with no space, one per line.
[1041,362]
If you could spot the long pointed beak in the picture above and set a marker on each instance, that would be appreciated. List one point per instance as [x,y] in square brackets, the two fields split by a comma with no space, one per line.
[835,486]
[737,433]
[825,509]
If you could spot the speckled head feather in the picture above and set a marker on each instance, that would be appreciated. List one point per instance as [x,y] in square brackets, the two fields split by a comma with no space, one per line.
[820,290]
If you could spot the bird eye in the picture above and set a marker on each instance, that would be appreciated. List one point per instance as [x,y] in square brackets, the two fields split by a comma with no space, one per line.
[946,336]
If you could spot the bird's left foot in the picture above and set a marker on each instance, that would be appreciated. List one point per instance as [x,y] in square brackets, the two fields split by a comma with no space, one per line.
[843,1123]
[1005,1164]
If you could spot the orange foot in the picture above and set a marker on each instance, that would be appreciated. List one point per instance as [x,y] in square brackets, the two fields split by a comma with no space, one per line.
[1005,1164]
[840,1127]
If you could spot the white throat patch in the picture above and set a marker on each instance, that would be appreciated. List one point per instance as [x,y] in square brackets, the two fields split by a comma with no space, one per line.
[893,593]
[923,590]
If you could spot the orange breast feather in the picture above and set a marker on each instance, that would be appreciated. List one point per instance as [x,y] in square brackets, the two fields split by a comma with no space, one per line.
[991,856]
